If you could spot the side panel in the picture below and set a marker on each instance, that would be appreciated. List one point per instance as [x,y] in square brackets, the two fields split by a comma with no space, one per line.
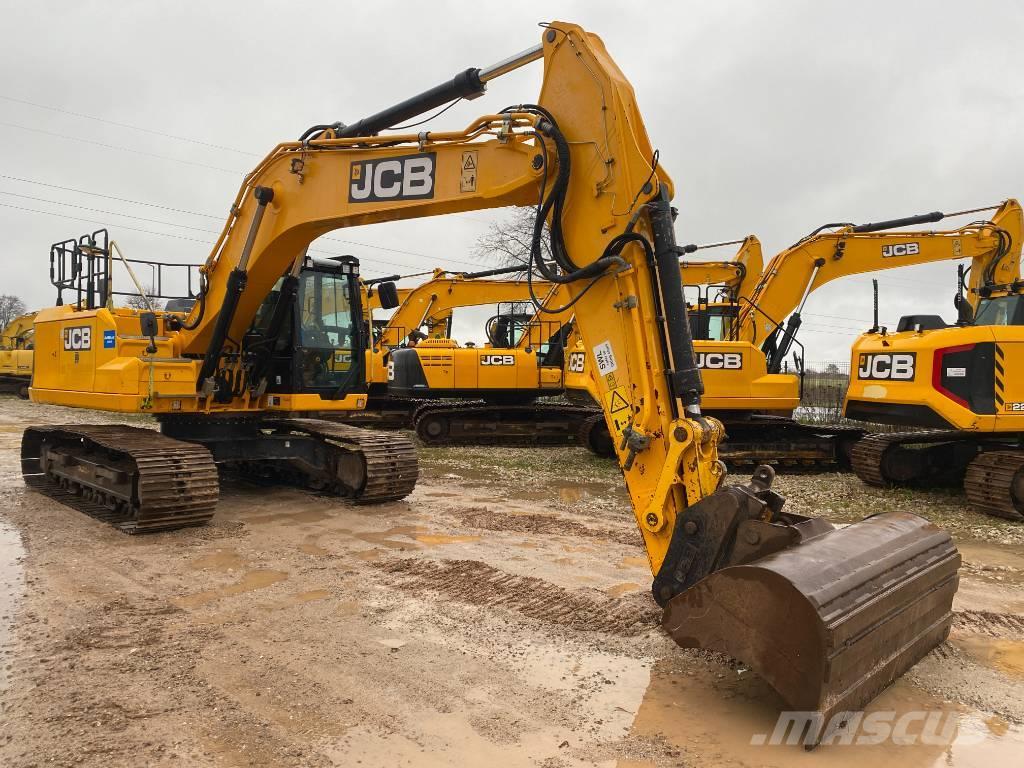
[1009,378]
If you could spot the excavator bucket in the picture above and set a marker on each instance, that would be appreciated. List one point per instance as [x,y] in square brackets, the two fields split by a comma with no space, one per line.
[832,621]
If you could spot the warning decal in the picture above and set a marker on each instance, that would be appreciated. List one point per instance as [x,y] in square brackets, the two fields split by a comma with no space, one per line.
[605,358]
[617,402]
[467,182]
[618,408]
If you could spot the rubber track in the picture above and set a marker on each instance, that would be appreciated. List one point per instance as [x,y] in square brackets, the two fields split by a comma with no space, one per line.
[866,456]
[379,413]
[392,467]
[989,481]
[535,417]
[175,483]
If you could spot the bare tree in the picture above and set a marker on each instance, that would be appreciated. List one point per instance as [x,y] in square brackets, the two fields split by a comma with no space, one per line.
[136,301]
[510,240]
[10,307]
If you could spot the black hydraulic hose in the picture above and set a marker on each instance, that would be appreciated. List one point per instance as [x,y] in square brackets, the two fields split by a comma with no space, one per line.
[492,272]
[204,286]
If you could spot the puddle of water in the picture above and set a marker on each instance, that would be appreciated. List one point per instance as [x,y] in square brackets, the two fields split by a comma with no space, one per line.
[250,582]
[387,538]
[310,548]
[1004,655]
[219,560]
[11,586]
[717,712]
[369,554]
[633,562]
[348,608]
[310,596]
[623,589]
[567,492]
[304,516]
[438,539]
[988,553]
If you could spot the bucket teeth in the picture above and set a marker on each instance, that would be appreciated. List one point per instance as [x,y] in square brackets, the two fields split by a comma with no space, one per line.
[833,621]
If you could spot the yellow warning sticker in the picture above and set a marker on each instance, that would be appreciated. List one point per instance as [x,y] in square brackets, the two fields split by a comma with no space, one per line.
[618,408]
[616,401]
[467,183]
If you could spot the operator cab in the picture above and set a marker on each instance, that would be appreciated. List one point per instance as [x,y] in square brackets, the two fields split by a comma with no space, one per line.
[320,347]
[712,322]
[1001,310]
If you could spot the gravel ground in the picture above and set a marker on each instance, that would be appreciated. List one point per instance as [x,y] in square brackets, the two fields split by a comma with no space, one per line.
[499,616]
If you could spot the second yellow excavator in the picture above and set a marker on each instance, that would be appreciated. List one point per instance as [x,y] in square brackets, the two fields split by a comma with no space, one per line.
[743,344]
[16,344]
[827,617]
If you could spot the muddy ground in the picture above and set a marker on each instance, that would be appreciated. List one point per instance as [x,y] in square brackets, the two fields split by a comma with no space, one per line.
[499,616]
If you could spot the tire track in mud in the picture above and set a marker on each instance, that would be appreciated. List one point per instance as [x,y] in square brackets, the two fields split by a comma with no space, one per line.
[989,623]
[476,583]
[545,524]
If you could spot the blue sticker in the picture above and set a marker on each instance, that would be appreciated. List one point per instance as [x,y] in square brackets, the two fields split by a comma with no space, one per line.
[109,339]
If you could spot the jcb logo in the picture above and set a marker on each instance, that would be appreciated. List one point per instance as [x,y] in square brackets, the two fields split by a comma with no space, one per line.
[732,361]
[498,360]
[577,361]
[78,338]
[410,177]
[887,367]
[901,249]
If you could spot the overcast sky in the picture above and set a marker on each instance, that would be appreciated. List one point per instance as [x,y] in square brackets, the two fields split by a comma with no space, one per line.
[772,118]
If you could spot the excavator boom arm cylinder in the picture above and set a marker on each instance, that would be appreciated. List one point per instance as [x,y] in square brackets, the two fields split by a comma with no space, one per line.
[684,373]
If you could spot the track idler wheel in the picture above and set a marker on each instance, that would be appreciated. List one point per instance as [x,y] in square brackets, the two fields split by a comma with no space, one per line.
[833,620]
[432,428]
[593,434]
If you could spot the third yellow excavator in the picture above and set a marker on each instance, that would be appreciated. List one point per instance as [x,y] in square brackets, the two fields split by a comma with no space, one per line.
[963,383]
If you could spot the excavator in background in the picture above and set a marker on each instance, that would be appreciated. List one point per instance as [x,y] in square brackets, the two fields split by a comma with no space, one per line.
[742,345]
[829,617]
[470,395]
[16,353]
[431,305]
[959,386]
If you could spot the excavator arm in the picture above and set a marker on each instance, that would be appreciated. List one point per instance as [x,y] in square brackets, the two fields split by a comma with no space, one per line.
[793,274]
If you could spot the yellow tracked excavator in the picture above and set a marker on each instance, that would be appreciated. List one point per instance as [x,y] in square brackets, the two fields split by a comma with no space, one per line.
[16,353]
[470,395]
[957,385]
[743,342]
[828,617]
[295,348]
[430,305]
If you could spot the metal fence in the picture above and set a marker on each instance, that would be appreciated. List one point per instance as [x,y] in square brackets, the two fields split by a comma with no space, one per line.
[825,383]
